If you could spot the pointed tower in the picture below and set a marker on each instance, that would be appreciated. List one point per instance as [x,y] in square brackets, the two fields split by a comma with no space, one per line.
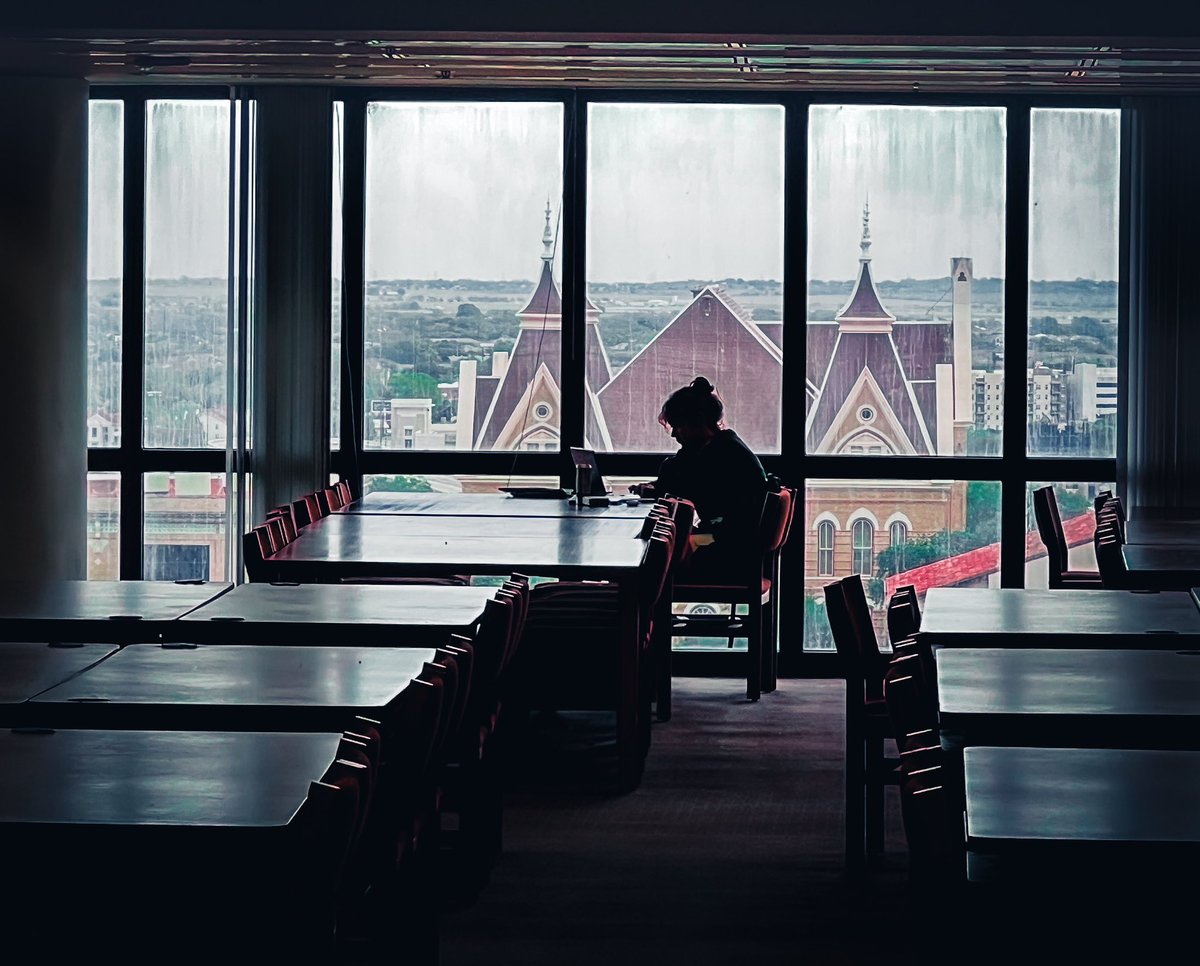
[864,312]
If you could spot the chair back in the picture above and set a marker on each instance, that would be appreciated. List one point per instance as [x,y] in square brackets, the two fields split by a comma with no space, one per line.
[343,489]
[778,511]
[333,496]
[322,500]
[1045,511]
[287,518]
[901,623]
[306,510]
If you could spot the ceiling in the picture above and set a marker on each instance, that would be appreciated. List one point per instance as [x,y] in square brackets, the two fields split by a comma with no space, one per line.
[736,65]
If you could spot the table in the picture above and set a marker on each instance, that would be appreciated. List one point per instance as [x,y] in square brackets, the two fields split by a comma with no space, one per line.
[487,505]
[1166,567]
[233,687]
[364,545]
[978,617]
[28,668]
[1072,812]
[1164,533]
[1068,697]
[336,614]
[132,842]
[109,611]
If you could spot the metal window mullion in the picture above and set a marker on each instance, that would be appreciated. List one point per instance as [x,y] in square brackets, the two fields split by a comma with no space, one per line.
[574,279]
[347,461]
[1015,461]
[133,318]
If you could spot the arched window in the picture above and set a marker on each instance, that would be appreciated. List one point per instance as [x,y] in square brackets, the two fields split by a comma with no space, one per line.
[899,536]
[825,549]
[863,542]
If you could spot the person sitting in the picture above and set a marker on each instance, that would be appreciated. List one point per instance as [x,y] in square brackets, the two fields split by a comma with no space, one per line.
[719,474]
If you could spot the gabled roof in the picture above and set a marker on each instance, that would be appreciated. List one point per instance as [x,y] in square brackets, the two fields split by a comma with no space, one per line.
[864,304]
[545,300]
[709,337]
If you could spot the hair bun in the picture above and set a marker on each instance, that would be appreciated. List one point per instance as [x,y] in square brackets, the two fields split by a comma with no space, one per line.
[700,384]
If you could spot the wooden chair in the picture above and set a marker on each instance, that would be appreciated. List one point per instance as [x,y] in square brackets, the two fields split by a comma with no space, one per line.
[757,592]
[287,518]
[305,510]
[322,500]
[868,769]
[1050,529]
[258,544]
[343,489]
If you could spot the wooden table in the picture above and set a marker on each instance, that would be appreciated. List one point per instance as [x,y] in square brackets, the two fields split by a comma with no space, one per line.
[233,687]
[1164,533]
[1165,567]
[27,669]
[336,614]
[1068,697]
[1071,813]
[108,611]
[488,505]
[978,617]
[145,844]
[363,545]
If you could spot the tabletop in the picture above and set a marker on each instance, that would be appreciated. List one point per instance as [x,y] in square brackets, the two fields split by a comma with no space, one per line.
[1070,696]
[114,611]
[28,668]
[1166,566]
[366,545]
[1009,617]
[1061,812]
[180,778]
[336,614]
[1165,533]
[567,528]
[487,505]
[233,687]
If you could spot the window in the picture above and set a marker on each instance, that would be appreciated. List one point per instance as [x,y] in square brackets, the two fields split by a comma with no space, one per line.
[335,358]
[106,130]
[185,525]
[103,526]
[863,544]
[187,273]
[901,322]
[463,264]
[1073,245]
[825,549]
[1075,508]
[685,267]
[898,533]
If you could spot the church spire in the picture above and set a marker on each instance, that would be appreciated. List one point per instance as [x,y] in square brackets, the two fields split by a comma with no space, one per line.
[865,244]
[547,238]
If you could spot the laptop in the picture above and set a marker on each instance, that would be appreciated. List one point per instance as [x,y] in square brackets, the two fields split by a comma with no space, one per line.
[587,458]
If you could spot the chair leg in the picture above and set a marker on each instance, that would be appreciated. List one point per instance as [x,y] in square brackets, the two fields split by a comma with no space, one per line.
[854,783]
[874,796]
[770,653]
[754,650]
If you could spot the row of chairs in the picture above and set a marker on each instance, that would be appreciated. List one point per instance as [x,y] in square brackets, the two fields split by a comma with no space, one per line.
[1050,529]
[436,770]
[282,525]
[1108,541]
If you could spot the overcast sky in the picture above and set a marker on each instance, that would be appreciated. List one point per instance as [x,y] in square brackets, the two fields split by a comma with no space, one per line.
[674,191]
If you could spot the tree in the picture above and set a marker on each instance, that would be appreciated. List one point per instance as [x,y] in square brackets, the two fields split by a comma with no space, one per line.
[402,484]
[467,310]
[415,385]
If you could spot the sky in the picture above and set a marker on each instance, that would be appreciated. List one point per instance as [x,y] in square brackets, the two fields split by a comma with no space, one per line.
[675,191]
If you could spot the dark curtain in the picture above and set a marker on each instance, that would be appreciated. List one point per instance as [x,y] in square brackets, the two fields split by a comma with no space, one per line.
[1159,450]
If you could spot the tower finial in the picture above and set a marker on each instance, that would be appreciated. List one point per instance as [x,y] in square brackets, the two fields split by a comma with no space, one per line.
[547,237]
[865,244]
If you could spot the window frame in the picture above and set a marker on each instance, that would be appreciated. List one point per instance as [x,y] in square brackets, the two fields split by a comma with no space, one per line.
[1013,468]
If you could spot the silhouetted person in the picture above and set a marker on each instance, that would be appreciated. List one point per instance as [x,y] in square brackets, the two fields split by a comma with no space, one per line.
[716,471]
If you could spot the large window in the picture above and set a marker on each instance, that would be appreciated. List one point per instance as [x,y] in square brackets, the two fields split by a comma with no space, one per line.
[106,130]
[1074,176]
[906,269]
[187,273]
[462,327]
[685,267]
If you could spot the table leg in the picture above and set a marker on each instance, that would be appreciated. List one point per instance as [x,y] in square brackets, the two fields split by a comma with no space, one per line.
[628,744]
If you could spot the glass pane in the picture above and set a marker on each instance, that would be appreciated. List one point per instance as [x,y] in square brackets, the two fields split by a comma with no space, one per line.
[185,526]
[951,539]
[1075,508]
[335,381]
[106,127]
[463,483]
[104,526]
[1074,181]
[462,319]
[187,241]
[685,267]
[906,264]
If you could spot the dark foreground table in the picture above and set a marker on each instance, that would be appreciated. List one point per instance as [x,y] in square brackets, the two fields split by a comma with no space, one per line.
[1034,814]
[233,687]
[27,669]
[1069,697]
[970,617]
[1164,567]
[108,611]
[337,614]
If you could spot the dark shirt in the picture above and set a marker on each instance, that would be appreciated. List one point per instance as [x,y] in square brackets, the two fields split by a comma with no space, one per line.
[726,482]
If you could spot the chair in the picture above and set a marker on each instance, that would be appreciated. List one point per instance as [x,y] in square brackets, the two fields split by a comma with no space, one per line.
[903,615]
[868,770]
[286,517]
[1050,529]
[757,592]
[343,489]
[333,497]
[322,500]
[305,510]
[258,544]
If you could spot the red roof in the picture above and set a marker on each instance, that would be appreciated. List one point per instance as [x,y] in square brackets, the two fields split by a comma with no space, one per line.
[978,563]
[865,302]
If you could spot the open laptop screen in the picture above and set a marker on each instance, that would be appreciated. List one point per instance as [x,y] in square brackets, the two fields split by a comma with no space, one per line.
[586,457]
